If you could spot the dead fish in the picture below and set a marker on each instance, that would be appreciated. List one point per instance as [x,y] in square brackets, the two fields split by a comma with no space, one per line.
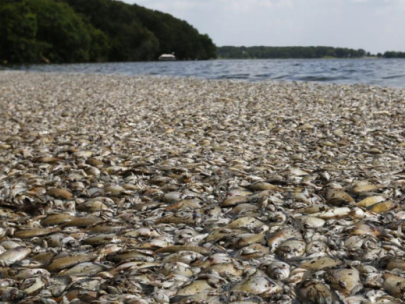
[395,263]
[183,256]
[29,233]
[173,249]
[14,255]
[370,201]
[60,193]
[297,172]
[109,227]
[84,269]
[282,235]
[102,239]
[311,222]
[233,201]
[291,249]
[58,264]
[244,208]
[346,281]
[56,219]
[186,204]
[244,222]
[227,269]
[278,270]
[132,255]
[364,186]
[253,251]
[194,288]
[23,273]
[258,285]
[334,213]
[245,239]
[320,263]
[383,207]
[33,285]
[262,186]
[179,268]
[313,292]
[177,219]
[81,221]
[338,198]
[362,228]
[394,285]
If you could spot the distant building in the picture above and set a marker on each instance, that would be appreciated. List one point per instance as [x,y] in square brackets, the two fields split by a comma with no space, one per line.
[167,57]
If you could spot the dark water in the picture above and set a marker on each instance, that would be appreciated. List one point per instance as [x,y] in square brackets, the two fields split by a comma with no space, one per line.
[384,72]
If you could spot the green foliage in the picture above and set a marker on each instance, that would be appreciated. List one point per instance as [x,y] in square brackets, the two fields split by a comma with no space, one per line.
[129,40]
[43,30]
[263,52]
[392,54]
[138,33]
[94,30]
[18,28]
[63,29]
[176,36]
[99,45]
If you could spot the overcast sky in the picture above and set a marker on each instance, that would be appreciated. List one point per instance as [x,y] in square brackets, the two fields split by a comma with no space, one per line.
[374,25]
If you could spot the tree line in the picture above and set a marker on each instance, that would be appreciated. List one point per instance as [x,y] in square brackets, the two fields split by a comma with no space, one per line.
[392,54]
[67,31]
[265,52]
[268,52]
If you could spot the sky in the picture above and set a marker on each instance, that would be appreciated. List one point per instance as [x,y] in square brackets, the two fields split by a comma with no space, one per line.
[373,25]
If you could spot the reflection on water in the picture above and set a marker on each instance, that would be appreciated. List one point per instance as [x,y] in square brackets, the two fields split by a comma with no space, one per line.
[385,72]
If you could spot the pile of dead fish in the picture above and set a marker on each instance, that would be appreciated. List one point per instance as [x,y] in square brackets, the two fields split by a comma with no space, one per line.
[169,190]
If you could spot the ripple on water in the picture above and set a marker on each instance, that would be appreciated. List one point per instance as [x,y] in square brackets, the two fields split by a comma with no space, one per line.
[345,71]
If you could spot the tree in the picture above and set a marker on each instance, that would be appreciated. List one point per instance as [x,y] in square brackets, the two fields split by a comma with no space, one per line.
[94,30]
[138,33]
[264,52]
[18,28]
[361,52]
[41,30]
[63,30]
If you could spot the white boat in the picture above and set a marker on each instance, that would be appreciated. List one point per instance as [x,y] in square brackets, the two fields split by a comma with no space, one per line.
[167,57]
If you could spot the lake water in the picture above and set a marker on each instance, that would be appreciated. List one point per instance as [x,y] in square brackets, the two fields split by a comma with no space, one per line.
[384,72]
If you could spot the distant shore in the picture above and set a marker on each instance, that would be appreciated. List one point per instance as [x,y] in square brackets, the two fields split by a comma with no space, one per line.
[6,64]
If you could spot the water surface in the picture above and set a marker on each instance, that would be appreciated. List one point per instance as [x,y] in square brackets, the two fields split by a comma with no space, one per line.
[384,72]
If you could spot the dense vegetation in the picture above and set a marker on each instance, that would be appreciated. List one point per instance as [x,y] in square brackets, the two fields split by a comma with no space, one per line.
[64,31]
[264,52]
[94,30]
[392,54]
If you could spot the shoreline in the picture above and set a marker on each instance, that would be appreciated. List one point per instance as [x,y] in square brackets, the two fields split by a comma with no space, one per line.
[177,188]
[380,73]
[196,78]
